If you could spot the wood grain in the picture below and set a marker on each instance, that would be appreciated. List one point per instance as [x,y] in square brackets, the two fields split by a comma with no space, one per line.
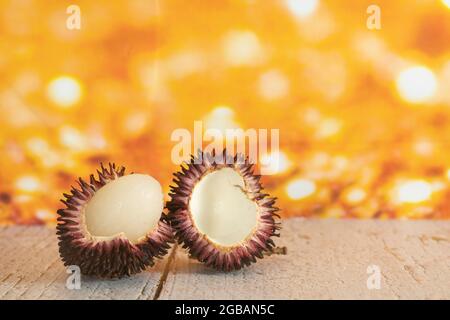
[30,268]
[326,259]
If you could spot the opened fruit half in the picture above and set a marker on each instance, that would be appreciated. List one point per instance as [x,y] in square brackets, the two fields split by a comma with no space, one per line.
[219,212]
[113,226]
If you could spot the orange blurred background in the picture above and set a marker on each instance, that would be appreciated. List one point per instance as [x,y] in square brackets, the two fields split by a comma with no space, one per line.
[363,114]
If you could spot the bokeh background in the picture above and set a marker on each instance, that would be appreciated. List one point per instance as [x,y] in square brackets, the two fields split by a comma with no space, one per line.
[364,115]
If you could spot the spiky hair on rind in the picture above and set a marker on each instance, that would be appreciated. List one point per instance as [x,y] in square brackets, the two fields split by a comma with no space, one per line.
[113,258]
[199,245]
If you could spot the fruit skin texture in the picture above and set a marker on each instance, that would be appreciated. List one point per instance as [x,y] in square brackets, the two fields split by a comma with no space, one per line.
[113,258]
[199,246]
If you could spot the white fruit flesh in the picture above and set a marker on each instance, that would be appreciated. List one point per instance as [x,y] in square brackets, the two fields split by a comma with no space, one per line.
[220,208]
[131,205]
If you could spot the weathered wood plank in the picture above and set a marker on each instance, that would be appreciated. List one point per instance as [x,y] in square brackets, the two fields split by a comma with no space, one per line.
[328,259]
[30,268]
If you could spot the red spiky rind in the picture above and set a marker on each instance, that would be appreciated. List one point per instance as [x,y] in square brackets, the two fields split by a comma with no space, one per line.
[112,258]
[198,245]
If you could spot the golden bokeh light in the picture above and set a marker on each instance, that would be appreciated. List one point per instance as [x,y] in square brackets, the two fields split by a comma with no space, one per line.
[44,214]
[134,124]
[242,48]
[275,162]
[72,138]
[417,84]
[64,91]
[302,8]
[413,191]
[355,195]
[300,189]
[37,145]
[221,118]
[339,93]
[328,128]
[273,85]
[446,3]
[28,184]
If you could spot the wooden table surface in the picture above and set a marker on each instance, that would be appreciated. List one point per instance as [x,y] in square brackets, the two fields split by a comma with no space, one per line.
[326,259]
